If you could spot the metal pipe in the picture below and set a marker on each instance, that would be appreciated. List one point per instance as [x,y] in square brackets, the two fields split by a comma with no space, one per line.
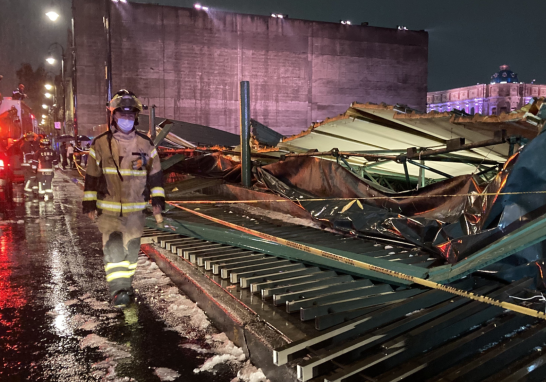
[246,164]
[406,172]
[474,145]
[429,168]
[467,160]
[74,75]
[345,153]
[422,174]
[487,170]
[152,123]
[108,55]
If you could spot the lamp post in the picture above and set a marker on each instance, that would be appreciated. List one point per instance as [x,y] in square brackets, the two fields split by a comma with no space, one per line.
[108,54]
[51,104]
[54,16]
[51,61]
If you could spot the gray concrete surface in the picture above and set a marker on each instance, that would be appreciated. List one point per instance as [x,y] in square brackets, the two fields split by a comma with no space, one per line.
[189,63]
[55,320]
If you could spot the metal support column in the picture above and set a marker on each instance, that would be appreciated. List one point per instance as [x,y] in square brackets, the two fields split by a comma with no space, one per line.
[108,66]
[152,123]
[246,165]
[404,162]
[74,75]
[428,168]
[422,174]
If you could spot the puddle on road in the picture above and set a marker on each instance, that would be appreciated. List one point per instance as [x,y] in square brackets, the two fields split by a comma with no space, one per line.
[55,324]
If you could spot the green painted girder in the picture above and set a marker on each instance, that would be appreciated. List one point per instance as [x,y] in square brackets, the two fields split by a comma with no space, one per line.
[243,240]
[524,237]
[531,233]
[165,164]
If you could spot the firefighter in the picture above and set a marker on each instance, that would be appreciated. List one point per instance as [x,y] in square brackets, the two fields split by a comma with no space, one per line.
[45,161]
[19,93]
[28,149]
[123,172]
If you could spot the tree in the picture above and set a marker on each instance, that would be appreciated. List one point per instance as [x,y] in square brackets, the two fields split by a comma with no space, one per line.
[34,81]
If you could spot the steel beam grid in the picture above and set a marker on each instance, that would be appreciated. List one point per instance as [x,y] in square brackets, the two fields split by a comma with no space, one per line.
[369,330]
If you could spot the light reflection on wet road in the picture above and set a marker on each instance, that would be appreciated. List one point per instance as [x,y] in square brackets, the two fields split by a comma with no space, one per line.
[52,294]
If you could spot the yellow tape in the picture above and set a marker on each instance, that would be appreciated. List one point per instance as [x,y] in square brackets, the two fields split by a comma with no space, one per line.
[78,167]
[351,199]
[363,265]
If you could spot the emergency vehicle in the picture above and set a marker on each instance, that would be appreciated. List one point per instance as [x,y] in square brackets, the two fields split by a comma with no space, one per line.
[16,119]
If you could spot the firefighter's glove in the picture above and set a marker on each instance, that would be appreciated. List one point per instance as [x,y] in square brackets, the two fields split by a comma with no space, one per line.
[137,164]
[92,215]
[157,214]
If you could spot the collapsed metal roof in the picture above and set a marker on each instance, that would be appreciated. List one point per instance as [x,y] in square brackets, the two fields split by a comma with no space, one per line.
[197,134]
[371,128]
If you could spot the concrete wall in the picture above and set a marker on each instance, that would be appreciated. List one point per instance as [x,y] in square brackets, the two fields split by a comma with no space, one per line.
[90,60]
[189,63]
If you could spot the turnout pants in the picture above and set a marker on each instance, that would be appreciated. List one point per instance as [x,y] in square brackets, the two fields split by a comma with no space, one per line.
[120,244]
[44,180]
[30,179]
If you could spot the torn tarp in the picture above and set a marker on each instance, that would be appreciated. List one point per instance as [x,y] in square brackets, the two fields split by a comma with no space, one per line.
[353,205]
[213,165]
[453,218]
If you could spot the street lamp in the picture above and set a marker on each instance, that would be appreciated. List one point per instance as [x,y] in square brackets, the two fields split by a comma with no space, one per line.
[48,86]
[48,95]
[44,106]
[51,60]
[53,16]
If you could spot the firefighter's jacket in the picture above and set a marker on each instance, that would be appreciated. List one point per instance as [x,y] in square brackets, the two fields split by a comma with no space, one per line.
[122,173]
[45,159]
[17,95]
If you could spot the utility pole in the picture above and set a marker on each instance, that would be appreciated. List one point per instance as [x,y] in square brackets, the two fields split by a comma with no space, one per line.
[74,76]
[108,66]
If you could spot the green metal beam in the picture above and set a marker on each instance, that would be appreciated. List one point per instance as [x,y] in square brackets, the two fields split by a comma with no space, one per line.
[516,241]
[171,161]
[164,131]
[242,240]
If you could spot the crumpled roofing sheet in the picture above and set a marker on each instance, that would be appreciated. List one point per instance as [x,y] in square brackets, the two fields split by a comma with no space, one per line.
[366,127]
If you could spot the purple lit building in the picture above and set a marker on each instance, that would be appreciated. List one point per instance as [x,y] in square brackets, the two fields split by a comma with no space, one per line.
[504,93]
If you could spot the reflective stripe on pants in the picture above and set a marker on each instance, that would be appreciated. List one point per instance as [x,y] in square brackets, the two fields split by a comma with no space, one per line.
[121,245]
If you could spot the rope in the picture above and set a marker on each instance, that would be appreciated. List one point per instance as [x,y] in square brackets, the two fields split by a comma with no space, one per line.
[370,267]
[352,199]
[78,167]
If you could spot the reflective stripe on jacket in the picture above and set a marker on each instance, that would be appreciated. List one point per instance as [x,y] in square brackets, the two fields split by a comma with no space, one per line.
[123,172]
[45,159]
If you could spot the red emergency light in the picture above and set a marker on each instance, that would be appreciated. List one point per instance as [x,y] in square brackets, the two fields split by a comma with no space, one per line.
[1,163]
[32,116]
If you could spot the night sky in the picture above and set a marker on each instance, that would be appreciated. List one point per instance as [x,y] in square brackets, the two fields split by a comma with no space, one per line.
[468,39]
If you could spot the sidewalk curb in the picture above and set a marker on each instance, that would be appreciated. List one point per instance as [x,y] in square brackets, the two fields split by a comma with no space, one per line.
[241,325]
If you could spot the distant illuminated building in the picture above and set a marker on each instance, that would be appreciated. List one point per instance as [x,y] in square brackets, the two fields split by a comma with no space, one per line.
[504,93]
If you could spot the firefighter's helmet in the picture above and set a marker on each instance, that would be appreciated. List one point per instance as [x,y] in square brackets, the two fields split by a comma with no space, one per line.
[29,136]
[44,142]
[125,100]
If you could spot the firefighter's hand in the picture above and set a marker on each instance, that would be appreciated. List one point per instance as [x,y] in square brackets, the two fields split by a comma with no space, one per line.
[157,214]
[92,215]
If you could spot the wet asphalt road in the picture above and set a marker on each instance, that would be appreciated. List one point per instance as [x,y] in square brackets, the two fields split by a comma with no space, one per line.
[52,294]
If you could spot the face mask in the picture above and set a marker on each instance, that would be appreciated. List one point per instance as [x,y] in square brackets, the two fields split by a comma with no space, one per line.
[125,125]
